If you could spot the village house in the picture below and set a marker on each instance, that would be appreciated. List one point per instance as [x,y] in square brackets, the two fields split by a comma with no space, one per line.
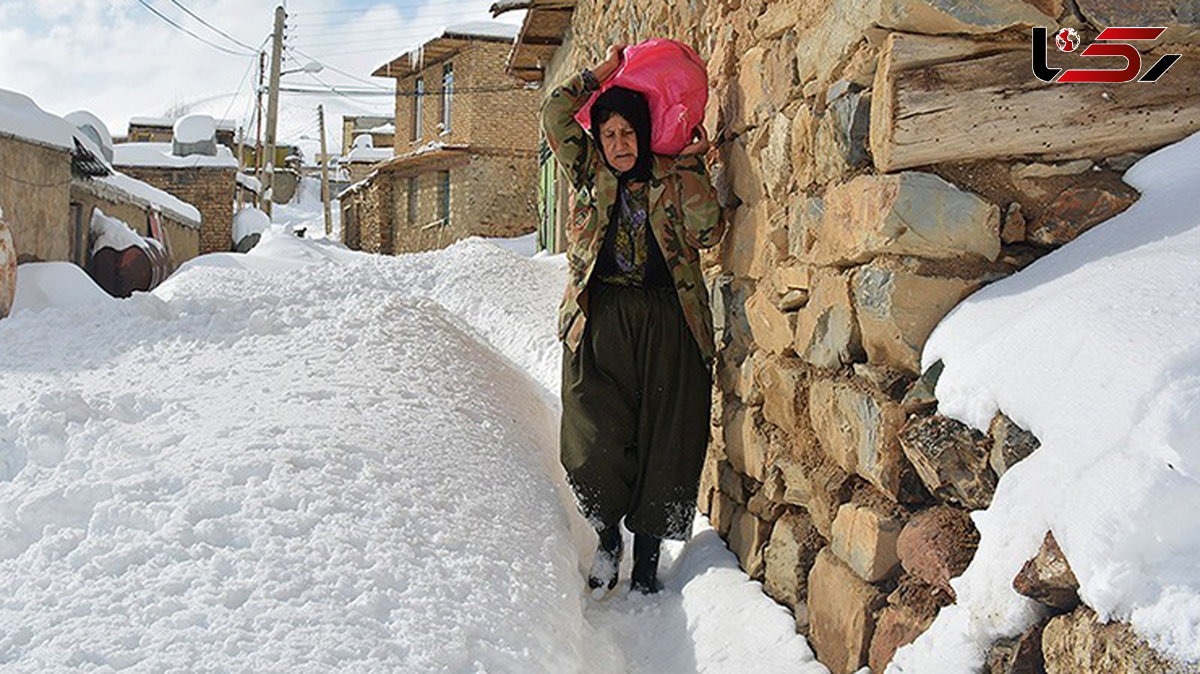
[161,130]
[55,173]
[877,163]
[382,130]
[205,177]
[456,171]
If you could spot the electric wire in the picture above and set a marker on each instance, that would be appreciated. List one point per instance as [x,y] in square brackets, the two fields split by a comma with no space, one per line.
[166,18]
[197,17]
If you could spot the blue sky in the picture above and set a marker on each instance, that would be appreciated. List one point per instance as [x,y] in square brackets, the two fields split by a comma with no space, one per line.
[117,59]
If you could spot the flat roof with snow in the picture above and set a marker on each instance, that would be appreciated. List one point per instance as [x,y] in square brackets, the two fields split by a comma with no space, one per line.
[158,155]
[449,42]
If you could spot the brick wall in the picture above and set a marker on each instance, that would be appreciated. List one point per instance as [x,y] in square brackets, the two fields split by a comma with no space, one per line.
[35,197]
[490,196]
[473,113]
[210,190]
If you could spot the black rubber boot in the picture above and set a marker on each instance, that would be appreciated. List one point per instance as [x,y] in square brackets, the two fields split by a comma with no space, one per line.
[645,564]
[607,562]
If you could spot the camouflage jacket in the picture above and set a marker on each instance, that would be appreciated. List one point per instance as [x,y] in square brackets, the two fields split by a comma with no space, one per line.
[684,216]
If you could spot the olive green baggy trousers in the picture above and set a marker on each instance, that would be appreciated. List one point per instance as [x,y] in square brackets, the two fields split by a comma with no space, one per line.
[636,395]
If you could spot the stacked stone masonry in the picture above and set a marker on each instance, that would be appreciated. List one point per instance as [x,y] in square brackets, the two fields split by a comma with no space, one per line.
[873,177]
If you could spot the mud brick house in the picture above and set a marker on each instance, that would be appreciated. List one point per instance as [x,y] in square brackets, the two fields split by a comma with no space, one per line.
[878,162]
[54,172]
[382,130]
[206,181]
[457,171]
[160,130]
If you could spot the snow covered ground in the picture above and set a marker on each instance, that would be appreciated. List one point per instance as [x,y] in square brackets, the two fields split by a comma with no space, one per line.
[1093,348]
[310,459]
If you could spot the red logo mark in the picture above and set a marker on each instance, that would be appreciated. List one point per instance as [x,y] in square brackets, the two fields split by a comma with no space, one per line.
[1067,40]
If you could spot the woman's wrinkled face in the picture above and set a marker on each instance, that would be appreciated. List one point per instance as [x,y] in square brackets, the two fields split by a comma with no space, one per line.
[619,141]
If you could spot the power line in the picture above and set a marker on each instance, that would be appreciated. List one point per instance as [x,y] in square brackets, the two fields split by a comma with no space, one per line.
[308,29]
[164,17]
[329,89]
[339,70]
[363,10]
[227,36]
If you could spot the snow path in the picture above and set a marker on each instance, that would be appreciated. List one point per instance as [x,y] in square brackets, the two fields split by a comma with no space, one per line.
[306,459]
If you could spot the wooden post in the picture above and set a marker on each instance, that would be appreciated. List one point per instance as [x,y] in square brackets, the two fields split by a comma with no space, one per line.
[273,109]
[324,173]
[241,151]
[258,147]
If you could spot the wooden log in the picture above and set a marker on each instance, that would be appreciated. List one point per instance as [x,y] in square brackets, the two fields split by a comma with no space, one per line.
[944,99]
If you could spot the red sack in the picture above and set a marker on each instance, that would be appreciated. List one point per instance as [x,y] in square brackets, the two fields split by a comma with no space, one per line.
[675,83]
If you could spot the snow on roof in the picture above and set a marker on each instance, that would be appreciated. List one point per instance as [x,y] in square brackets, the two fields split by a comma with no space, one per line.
[22,118]
[158,155]
[94,129]
[195,128]
[144,192]
[169,122]
[370,154]
[501,6]
[483,29]
[384,128]
[249,182]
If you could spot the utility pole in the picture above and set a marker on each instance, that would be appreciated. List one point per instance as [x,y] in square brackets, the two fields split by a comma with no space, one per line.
[273,108]
[258,148]
[241,150]
[324,173]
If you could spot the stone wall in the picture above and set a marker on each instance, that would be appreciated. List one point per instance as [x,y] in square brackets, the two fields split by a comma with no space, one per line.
[210,190]
[35,198]
[878,162]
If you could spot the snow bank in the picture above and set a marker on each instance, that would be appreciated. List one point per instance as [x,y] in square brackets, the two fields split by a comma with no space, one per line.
[249,221]
[113,233]
[1093,348]
[362,491]
[21,117]
[312,458]
[44,285]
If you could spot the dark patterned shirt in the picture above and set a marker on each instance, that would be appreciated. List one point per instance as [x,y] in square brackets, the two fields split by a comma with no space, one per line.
[630,255]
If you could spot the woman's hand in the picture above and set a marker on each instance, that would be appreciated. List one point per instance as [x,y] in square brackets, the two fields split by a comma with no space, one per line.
[699,144]
[612,61]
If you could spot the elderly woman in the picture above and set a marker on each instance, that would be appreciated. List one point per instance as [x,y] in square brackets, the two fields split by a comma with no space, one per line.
[635,322]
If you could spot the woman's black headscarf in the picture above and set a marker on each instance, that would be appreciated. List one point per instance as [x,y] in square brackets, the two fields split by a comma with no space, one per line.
[632,106]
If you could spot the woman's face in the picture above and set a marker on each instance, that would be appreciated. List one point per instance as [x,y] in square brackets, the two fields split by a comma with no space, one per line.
[619,141]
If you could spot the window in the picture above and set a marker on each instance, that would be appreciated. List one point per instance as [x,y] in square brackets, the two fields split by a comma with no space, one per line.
[418,94]
[444,193]
[447,95]
[413,187]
